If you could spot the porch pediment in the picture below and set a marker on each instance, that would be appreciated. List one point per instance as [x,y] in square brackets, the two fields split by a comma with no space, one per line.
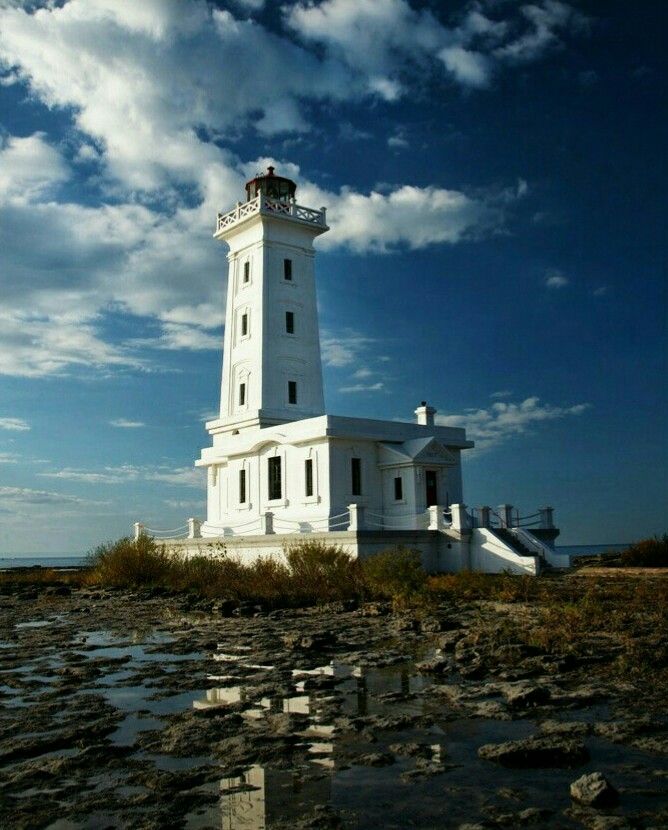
[416,451]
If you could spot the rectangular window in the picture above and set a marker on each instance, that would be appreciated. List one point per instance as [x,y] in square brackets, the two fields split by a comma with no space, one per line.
[398,488]
[292,391]
[308,477]
[290,322]
[274,469]
[287,269]
[356,471]
[246,271]
[242,487]
[242,394]
[244,325]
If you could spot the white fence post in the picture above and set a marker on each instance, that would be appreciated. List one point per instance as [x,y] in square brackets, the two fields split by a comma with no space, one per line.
[460,518]
[506,515]
[546,517]
[267,523]
[436,518]
[194,529]
[356,517]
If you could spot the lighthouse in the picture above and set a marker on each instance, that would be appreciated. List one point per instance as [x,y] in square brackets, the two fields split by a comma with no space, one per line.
[272,371]
[281,469]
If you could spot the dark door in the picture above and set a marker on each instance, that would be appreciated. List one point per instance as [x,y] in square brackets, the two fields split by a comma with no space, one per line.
[432,487]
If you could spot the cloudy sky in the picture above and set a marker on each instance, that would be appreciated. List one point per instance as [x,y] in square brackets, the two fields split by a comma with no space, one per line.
[493,172]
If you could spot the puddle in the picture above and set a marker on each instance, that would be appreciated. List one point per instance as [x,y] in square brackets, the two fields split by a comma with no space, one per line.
[352,726]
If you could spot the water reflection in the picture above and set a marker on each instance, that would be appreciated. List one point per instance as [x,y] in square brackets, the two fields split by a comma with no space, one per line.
[261,796]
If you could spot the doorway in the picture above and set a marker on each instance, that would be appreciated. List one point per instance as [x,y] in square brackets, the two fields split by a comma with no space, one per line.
[431,487]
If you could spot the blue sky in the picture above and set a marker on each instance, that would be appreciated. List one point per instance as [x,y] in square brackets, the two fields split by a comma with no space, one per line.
[493,172]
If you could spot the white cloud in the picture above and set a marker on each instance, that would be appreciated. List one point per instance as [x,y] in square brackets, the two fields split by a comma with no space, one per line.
[29,169]
[181,476]
[185,476]
[545,21]
[124,423]
[361,387]
[503,421]
[469,68]
[27,496]
[363,373]
[14,424]
[343,350]
[386,43]
[9,458]
[398,141]
[555,279]
[601,291]
[154,91]
[502,393]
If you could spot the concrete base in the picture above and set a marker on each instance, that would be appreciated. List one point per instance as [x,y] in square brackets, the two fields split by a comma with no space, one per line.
[443,551]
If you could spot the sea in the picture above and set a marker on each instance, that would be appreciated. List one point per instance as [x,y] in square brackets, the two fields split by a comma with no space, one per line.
[31,560]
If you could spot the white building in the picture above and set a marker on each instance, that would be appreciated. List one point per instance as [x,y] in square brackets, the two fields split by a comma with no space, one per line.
[279,465]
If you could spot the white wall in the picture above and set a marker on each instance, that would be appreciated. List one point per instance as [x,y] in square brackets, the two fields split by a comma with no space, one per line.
[490,555]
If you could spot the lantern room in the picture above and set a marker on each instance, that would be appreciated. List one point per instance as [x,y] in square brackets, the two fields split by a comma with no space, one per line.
[271,186]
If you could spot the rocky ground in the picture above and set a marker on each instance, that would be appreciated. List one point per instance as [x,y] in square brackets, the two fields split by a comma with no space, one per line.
[150,710]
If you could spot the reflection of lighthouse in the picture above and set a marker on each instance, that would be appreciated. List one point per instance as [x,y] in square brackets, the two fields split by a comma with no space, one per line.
[260,797]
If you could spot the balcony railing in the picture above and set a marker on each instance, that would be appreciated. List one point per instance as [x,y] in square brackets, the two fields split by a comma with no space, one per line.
[271,207]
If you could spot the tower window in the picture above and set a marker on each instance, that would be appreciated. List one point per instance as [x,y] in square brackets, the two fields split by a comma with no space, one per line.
[242,486]
[292,391]
[274,470]
[287,269]
[308,477]
[356,475]
[246,271]
[244,325]
[398,488]
[290,322]
[242,394]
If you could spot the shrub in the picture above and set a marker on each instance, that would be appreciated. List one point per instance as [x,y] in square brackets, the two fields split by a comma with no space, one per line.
[648,553]
[130,562]
[395,574]
[322,572]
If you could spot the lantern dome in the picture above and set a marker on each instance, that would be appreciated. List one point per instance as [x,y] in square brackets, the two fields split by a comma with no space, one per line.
[272,186]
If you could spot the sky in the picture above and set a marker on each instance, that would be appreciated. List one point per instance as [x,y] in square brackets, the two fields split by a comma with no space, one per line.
[494,174]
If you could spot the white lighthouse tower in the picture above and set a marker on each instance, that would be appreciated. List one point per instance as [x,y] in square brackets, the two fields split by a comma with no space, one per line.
[272,371]
[280,468]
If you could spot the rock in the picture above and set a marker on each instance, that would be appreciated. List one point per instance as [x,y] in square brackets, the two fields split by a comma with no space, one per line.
[431,625]
[572,728]
[449,640]
[375,609]
[537,751]
[405,624]
[594,790]
[375,759]
[435,665]
[413,750]
[308,642]
[521,695]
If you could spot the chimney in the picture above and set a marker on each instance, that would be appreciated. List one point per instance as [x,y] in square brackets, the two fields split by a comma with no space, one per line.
[425,414]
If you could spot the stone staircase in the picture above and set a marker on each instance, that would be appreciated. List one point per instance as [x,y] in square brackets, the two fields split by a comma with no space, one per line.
[511,540]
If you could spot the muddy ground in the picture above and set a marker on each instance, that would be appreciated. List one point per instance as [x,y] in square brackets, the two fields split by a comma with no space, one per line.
[147,710]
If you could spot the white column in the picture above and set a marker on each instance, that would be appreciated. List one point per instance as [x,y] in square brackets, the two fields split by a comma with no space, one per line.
[356,517]
[194,526]
[546,517]
[506,513]
[267,523]
[139,530]
[436,518]
[484,515]
[460,518]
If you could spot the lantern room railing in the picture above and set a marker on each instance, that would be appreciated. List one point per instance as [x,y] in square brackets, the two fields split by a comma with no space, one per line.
[271,207]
